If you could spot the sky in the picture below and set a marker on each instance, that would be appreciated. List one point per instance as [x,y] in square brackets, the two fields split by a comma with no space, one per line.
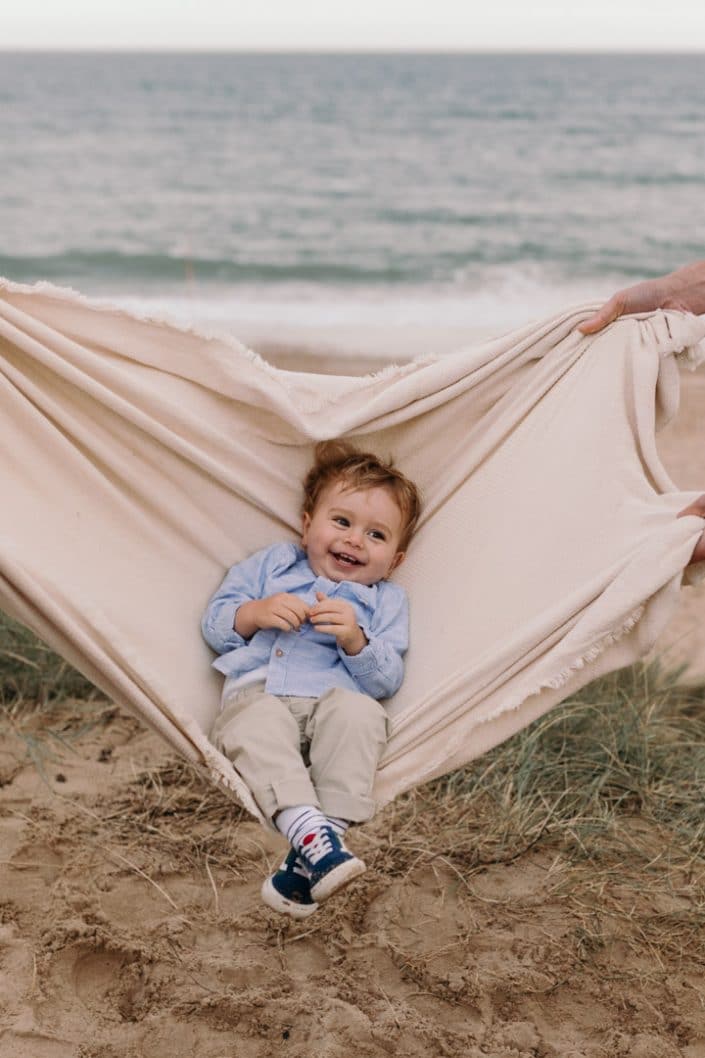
[275,25]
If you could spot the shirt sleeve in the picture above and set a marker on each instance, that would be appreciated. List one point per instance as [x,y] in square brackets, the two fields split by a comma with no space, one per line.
[379,668]
[243,583]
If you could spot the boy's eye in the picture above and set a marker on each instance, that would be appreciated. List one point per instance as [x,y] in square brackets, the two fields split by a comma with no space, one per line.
[377,534]
[340,520]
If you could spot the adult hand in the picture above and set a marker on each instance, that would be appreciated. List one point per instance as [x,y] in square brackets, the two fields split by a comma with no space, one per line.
[337,618]
[698,509]
[683,290]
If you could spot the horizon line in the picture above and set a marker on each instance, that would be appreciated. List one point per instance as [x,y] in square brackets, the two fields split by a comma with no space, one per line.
[335,50]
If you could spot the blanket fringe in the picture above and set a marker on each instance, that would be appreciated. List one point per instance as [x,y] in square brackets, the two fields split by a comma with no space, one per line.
[590,655]
[161,317]
[692,356]
[560,679]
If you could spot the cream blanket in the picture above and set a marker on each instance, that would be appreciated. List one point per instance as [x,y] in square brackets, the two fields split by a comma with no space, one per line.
[141,459]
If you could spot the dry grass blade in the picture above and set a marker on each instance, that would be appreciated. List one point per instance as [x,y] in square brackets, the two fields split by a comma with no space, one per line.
[138,870]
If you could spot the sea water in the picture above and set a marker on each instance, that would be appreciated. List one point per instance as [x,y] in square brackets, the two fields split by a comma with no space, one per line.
[476,190]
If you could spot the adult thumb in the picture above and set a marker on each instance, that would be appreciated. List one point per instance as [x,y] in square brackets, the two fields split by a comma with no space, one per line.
[607,314]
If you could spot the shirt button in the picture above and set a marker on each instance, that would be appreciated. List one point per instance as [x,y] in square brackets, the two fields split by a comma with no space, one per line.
[279,652]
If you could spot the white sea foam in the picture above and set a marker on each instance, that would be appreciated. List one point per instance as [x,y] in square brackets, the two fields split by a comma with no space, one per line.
[510,297]
[373,319]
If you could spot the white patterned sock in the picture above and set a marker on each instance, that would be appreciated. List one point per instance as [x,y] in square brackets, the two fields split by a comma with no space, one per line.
[301,825]
[338,825]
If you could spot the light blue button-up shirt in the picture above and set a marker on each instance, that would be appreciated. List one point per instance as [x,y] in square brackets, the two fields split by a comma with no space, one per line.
[307,662]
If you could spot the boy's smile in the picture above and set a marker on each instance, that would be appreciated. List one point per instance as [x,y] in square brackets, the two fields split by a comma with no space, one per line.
[353,534]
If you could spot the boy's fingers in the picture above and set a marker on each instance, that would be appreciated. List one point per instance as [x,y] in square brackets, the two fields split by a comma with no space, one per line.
[324,611]
[291,615]
[316,611]
[321,626]
[325,618]
[295,603]
[329,629]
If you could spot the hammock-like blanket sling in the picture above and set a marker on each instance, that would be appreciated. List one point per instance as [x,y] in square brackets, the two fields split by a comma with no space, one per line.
[142,458]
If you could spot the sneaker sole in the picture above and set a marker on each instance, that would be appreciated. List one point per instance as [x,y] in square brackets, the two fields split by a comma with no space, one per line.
[279,903]
[336,878]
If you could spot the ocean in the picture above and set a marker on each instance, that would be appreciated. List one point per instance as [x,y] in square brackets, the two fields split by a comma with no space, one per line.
[469,190]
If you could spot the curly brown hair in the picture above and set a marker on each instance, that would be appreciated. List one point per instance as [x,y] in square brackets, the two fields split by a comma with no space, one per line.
[340,461]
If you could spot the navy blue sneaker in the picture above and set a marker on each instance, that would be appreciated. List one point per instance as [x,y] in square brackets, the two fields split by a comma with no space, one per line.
[329,864]
[288,890]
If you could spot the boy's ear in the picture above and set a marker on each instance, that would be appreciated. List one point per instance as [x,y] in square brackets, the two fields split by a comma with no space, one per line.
[397,560]
[305,522]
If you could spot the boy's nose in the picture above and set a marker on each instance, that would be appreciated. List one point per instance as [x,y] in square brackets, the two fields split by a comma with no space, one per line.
[353,536]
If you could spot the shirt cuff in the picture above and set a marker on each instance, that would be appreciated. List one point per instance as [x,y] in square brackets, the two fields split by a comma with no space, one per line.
[224,628]
[362,664]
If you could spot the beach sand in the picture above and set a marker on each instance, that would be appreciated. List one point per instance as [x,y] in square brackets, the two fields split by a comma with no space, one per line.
[131,926]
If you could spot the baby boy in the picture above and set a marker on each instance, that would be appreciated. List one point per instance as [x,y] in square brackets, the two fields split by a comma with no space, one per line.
[310,638]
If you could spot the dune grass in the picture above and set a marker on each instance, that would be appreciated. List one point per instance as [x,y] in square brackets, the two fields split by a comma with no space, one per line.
[629,744]
[32,675]
[34,683]
[609,787]
[607,793]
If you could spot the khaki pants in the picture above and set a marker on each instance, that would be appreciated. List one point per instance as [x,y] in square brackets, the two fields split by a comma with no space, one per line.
[304,751]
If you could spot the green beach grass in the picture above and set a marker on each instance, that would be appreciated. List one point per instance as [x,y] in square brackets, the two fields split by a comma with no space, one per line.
[608,789]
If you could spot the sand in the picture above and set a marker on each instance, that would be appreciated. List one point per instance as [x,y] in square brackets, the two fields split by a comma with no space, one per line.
[131,926]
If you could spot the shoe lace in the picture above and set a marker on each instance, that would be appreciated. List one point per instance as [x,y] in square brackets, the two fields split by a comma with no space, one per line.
[318,844]
[299,867]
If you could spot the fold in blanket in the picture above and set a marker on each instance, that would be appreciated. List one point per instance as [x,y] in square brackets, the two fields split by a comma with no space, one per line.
[142,458]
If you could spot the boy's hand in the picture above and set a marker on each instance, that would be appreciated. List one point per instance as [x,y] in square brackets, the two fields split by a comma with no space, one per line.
[283,611]
[337,618]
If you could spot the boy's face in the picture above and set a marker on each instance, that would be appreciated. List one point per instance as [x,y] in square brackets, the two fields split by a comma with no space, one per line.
[353,534]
